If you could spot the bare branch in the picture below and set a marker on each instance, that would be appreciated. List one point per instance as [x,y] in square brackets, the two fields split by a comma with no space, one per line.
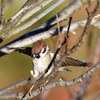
[58,29]
[23,9]
[14,86]
[86,30]
[74,81]
[67,11]
[84,86]
[38,79]
[97,50]
[30,12]
[74,6]
[29,80]
[67,35]
[43,35]
[60,82]
[31,22]
[88,81]
[55,69]
[2,11]
[42,4]
[13,22]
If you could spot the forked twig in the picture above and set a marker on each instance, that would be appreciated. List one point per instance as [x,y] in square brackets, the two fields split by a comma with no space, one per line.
[86,29]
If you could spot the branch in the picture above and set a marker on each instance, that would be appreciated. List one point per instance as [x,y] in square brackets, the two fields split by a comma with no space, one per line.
[71,82]
[44,35]
[34,10]
[79,94]
[2,11]
[31,11]
[88,81]
[34,81]
[60,82]
[76,4]
[14,86]
[25,7]
[86,29]
[38,80]
[4,35]
[97,50]
[67,11]
[14,20]
[59,34]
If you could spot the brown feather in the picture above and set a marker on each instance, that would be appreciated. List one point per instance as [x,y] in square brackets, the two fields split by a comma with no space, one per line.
[69,61]
[37,46]
[27,50]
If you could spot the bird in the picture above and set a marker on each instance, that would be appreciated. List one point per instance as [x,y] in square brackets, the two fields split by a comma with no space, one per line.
[42,56]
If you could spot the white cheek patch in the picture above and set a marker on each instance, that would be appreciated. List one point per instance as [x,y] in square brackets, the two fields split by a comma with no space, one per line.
[43,54]
[33,56]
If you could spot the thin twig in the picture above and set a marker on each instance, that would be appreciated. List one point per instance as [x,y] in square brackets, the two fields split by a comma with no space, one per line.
[86,29]
[14,86]
[67,35]
[97,50]
[2,11]
[59,34]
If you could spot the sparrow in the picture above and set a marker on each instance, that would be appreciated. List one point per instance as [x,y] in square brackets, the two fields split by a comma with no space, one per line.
[41,57]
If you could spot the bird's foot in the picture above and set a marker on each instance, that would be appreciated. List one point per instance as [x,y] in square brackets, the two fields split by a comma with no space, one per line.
[42,87]
[29,92]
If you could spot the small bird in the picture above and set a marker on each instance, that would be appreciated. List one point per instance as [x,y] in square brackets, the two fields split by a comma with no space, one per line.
[41,57]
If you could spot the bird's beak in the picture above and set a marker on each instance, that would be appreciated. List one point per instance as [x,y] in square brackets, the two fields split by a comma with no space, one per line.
[37,55]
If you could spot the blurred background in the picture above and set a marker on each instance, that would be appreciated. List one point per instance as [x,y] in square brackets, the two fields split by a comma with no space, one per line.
[15,66]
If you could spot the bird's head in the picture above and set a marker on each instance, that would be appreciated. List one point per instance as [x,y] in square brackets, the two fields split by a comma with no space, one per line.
[39,49]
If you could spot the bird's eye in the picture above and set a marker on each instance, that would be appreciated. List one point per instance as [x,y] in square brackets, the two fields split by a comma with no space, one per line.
[44,50]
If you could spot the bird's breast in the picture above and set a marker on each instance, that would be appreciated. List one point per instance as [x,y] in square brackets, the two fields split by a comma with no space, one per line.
[42,63]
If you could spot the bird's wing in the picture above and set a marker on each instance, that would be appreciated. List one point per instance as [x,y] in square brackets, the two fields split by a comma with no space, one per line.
[25,50]
[69,61]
